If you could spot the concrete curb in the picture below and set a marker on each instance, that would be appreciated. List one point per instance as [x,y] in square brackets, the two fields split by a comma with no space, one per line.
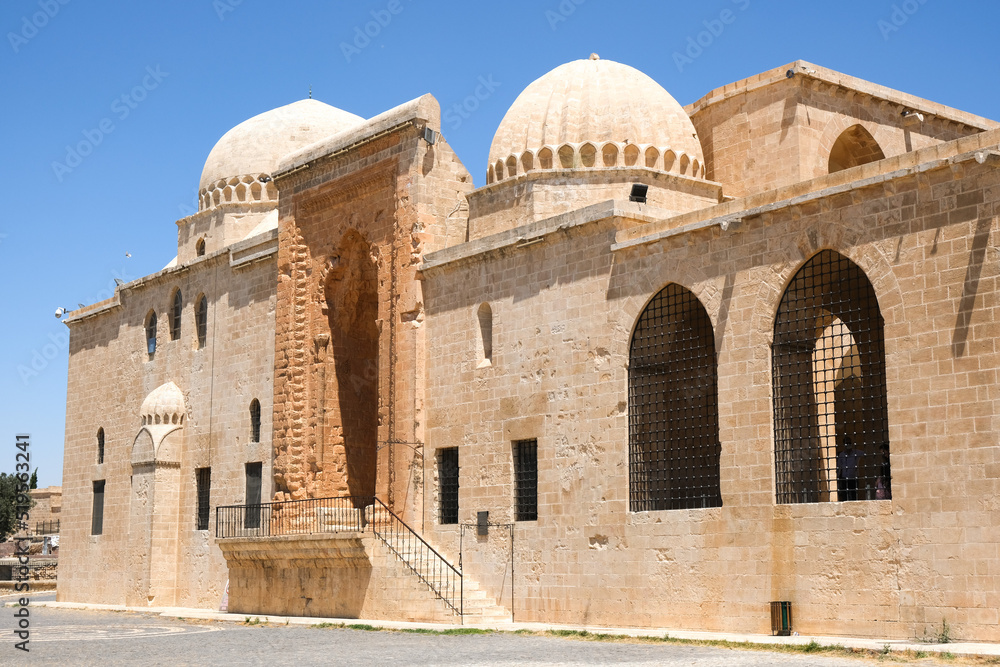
[896,645]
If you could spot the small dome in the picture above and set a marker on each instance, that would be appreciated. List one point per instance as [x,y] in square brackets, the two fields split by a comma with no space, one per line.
[164,405]
[600,113]
[254,147]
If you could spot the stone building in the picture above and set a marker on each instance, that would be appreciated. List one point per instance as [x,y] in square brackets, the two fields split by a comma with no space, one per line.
[690,360]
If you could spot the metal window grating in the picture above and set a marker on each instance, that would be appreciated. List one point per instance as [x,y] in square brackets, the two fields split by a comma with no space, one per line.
[100,445]
[201,321]
[526,480]
[255,420]
[448,484]
[673,406]
[254,478]
[204,483]
[175,316]
[831,440]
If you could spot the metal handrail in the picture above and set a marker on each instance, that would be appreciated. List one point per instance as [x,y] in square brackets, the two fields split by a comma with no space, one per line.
[347,514]
[444,579]
[292,517]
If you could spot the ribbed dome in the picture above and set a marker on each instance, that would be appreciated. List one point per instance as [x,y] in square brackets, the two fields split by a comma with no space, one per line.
[616,109]
[255,146]
[164,405]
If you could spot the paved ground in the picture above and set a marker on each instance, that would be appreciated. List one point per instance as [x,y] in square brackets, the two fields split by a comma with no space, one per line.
[88,637]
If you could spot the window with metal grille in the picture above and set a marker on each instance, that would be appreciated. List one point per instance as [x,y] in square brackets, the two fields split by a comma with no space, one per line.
[100,445]
[97,516]
[255,420]
[151,333]
[448,485]
[673,406]
[175,316]
[204,480]
[254,473]
[201,320]
[526,480]
[831,437]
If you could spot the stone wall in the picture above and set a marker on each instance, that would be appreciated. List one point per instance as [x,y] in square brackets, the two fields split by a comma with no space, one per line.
[922,230]
[110,373]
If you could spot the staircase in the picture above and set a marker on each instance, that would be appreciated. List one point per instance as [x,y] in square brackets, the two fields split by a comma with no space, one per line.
[460,595]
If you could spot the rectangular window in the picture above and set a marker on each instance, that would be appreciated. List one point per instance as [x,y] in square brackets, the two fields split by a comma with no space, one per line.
[448,484]
[252,517]
[204,479]
[526,480]
[97,518]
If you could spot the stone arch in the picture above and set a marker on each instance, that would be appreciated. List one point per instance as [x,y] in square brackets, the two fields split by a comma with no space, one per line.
[631,155]
[351,392]
[545,158]
[819,162]
[588,155]
[484,316]
[669,160]
[609,155]
[498,170]
[652,157]
[527,161]
[566,156]
[490,177]
[854,146]
[512,166]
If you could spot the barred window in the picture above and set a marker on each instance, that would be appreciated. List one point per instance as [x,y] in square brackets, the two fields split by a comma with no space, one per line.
[526,480]
[151,333]
[201,320]
[673,406]
[175,316]
[100,445]
[255,420]
[831,438]
[97,515]
[204,482]
[448,484]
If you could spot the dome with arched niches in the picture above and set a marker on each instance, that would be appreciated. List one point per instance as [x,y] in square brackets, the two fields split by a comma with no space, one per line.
[595,113]
[253,149]
[164,405]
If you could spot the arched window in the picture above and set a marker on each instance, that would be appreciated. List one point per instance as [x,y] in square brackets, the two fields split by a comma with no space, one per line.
[100,445]
[151,332]
[854,147]
[199,247]
[831,436]
[485,316]
[673,406]
[201,320]
[175,315]
[255,420]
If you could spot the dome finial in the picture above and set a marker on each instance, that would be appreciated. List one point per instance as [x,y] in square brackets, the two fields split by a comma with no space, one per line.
[594,56]
[310,91]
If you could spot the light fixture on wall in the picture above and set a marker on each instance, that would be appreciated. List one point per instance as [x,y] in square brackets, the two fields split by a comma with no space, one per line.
[430,136]
[638,193]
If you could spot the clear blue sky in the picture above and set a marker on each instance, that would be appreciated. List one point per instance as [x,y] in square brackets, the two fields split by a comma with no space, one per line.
[64,234]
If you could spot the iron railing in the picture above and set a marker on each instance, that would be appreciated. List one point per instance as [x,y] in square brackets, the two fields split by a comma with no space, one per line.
[443,578]
[292,517]
[347,514]
[47,527]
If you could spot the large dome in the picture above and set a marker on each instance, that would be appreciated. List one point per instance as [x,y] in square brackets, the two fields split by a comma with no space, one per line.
[595,113]
[255,147]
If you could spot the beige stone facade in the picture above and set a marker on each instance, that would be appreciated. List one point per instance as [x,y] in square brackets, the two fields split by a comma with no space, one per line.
[828,244]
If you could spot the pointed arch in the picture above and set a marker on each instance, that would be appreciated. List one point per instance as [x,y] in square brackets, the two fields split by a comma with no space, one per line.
[176,306]
[485,317]
[674,446]
[854,147]
[831,430]
[201,321]
[150,327]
